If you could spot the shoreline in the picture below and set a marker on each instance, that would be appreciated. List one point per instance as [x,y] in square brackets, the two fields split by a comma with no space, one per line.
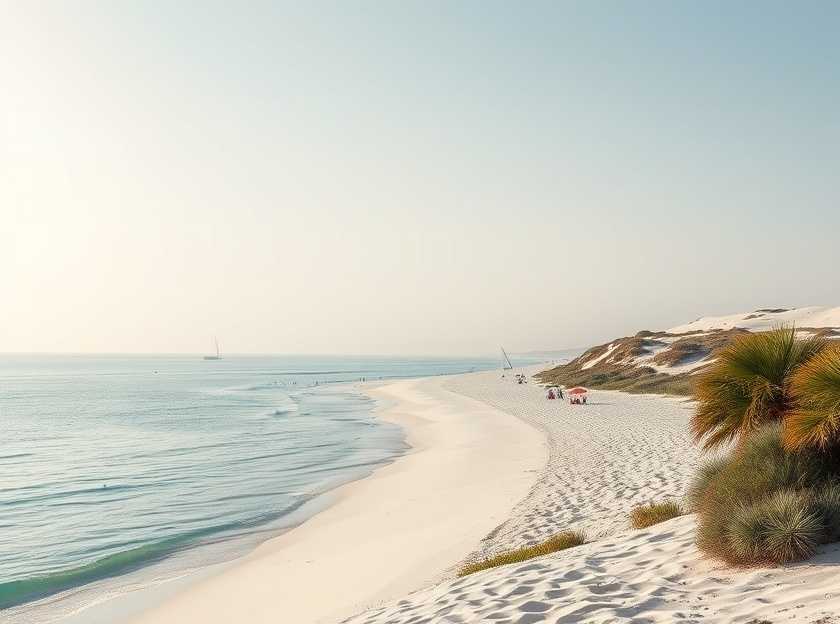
[385,551]
[396,530]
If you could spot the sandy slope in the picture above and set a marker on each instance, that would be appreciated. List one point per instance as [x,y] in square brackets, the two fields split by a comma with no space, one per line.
[653,575]
[605,458]
[387,534]
[813,316]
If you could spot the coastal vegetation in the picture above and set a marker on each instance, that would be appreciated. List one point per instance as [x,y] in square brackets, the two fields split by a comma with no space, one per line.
[748,385]
[644,516]
[560,541]
[647,363]
[814,421]
[635,380]
[772,400]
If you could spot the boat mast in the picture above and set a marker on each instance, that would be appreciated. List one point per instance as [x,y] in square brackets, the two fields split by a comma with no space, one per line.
[505,360]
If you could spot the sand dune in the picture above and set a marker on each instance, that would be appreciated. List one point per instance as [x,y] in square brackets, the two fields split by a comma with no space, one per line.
[759,320]
[652,575]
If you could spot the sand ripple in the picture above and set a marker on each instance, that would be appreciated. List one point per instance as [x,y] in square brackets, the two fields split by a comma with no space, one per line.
[605,458]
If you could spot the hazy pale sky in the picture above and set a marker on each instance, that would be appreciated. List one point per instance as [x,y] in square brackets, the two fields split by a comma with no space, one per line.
[410,177]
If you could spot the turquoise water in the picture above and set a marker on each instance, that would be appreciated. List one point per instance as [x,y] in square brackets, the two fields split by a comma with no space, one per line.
[112,463]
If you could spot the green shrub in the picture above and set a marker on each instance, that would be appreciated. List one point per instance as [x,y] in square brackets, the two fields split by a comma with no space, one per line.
[784,527]
[706,476]
[763,504]
[793,526]
[745,534]
[561,541]
[827,503]
[647,515]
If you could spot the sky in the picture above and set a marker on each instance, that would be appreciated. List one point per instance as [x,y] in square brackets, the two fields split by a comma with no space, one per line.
[410,177]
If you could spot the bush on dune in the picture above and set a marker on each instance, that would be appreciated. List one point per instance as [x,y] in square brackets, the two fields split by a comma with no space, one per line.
[764,504]
[561,541]
[783,527]
[704,479]
[827,504]
[647,515]
[776,496]
[748,385]
[760,466]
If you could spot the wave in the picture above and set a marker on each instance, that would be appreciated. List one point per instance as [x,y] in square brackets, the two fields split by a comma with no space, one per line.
[14,593]
[15,456]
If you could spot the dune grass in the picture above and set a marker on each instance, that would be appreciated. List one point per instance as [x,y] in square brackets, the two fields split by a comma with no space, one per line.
[765,505]
[774,398]
[561,541]
[633,380]
[780,528]
[615,373]
[644,516]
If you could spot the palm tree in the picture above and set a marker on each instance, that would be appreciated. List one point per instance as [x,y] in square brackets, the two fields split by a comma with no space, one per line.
[814,420]
[749,384]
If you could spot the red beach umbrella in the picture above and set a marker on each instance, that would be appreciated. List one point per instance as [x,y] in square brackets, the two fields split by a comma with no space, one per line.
[577,390]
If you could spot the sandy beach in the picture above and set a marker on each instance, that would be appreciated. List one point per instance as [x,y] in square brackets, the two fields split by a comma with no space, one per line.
[619,451]
[493,466]
[400,529]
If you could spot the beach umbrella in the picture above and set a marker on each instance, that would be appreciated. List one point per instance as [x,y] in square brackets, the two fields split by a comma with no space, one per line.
[577,390]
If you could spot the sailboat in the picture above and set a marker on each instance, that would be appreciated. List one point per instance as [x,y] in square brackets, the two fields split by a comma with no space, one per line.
[214,357]
[506,365]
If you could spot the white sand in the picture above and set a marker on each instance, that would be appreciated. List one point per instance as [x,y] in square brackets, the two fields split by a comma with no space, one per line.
[813,316]
[605,458]
[388,534]
[653,575]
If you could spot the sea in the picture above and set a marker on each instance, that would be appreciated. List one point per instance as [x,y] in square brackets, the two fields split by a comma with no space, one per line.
[114,465]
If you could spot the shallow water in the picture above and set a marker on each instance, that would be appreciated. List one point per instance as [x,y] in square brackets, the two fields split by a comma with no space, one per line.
[111,463]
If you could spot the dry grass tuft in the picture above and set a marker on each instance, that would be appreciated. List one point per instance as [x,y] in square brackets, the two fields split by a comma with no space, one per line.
[619,372]
[628,348]
[636,380]
[647,515]
[561,541]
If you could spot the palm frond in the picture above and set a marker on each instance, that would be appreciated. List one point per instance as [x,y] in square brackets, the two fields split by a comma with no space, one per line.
[748,385]
[814,420]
